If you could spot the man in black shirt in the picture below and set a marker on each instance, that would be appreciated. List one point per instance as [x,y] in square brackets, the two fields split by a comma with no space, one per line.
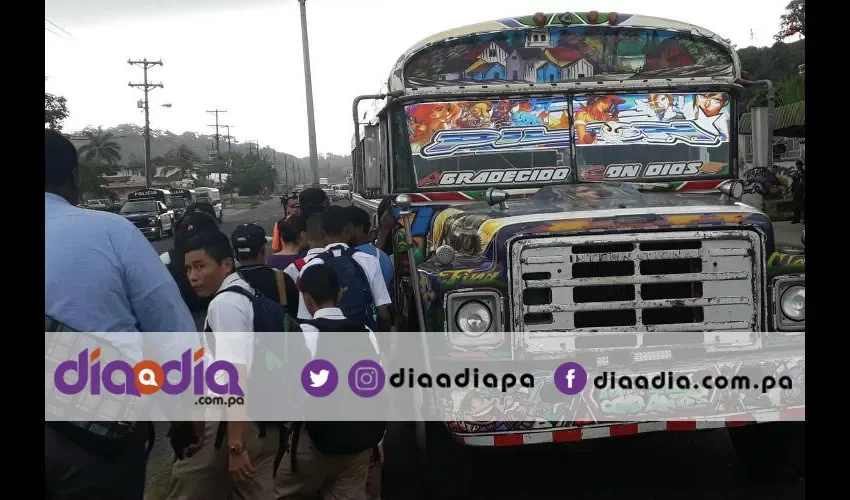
[249,246]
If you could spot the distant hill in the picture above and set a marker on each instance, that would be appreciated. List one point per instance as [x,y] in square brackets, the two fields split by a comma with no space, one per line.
[131,139]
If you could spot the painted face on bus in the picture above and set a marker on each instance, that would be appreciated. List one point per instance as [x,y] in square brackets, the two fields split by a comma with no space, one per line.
[711,104]
[204,273]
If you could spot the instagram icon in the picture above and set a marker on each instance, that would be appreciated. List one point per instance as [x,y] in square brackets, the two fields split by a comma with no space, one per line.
[366,378]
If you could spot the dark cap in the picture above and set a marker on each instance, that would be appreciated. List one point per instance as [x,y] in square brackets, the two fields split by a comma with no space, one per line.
[60,158]
[247,239]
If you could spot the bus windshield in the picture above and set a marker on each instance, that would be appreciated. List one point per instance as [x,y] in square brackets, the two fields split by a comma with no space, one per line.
[532,141]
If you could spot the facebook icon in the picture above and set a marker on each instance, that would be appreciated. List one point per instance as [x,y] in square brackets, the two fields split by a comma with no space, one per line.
[570,378]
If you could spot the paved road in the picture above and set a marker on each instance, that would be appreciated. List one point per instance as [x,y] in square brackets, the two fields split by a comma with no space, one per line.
[266,214]
[678,465]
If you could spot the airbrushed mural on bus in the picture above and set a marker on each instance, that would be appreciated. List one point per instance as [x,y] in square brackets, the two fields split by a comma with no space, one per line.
[561,176]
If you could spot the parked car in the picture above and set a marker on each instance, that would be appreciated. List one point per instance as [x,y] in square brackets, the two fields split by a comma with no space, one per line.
[98,204]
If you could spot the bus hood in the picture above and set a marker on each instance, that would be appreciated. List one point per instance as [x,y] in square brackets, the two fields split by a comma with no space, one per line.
[575,208]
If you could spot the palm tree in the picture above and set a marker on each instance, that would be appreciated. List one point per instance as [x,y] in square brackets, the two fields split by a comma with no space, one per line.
[101,147]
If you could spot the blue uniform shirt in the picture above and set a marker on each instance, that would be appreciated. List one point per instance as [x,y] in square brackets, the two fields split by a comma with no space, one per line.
[383,258]
[102,275]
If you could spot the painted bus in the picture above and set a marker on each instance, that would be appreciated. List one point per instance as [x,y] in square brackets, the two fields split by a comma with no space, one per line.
[566,188]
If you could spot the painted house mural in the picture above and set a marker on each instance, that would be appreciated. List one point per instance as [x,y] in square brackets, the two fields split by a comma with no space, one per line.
[558,54]
[487,61]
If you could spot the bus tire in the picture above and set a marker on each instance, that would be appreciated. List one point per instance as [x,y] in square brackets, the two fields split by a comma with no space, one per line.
[771,450]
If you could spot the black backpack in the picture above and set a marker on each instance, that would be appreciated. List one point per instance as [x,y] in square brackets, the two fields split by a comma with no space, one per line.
[356,302]
[277,361]
[338,437]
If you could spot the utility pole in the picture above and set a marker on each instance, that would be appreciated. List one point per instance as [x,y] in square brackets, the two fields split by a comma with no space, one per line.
[217,149]
[146,87]
[229,163]
[229,150]
[308,83]
[274,164]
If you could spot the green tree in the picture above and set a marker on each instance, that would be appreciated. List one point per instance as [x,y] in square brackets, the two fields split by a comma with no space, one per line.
[779,64]
[55,111]
[101,147]
[91,178]
[250,174]
[184,158]
[793,21]
[791,90]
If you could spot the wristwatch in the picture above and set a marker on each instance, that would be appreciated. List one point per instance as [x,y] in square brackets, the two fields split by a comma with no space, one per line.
[236,449]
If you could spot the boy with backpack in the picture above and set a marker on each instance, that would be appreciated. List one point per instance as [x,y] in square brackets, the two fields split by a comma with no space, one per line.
[361,229]
[316,243]
[249,245]
[364,292]
[236,456]
[331,458]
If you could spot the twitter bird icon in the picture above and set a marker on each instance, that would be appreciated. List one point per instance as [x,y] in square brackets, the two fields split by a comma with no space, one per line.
[319,378]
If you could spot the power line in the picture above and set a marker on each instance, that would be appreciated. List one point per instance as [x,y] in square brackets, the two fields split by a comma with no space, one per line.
[57,26]
[217,137]
[51,31]
[146,87]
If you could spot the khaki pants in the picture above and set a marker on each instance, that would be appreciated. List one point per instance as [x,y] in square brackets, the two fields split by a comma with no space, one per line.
[338,477]
[205,476]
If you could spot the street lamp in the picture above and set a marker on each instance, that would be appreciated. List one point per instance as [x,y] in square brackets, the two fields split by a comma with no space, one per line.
[308,83]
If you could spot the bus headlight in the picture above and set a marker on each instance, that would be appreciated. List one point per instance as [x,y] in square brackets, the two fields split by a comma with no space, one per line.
[474,320]
[789,299]
[793,303]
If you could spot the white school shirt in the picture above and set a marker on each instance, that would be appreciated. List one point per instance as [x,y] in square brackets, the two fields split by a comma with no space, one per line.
[230,316]
[369,263]
[293,272]
[311,333]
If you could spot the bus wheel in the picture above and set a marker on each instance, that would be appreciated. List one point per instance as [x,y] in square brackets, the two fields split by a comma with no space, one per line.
[771,450]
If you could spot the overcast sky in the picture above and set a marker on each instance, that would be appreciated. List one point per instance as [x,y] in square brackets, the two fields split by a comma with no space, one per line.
[245,56]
